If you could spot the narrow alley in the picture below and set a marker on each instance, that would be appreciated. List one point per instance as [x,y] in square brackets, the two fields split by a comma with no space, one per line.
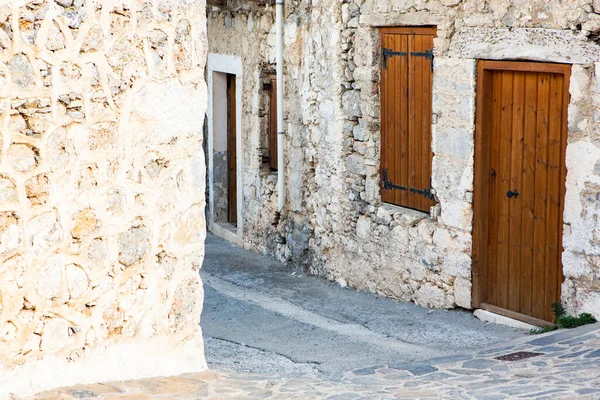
[260,316]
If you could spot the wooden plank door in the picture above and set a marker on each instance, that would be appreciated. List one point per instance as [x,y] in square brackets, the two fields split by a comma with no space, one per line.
[406,81]
[272,144]
[231,150]
[520,187]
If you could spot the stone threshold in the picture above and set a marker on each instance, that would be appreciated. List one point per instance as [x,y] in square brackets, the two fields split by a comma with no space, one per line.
[493,318]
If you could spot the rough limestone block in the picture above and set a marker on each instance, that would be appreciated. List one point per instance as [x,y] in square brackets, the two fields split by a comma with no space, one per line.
[529,44]
[575,265]
[589,302]
[454,74]
[454,142]
[457,214]
[462,292]
[451,179]
[432,296]
[363,227]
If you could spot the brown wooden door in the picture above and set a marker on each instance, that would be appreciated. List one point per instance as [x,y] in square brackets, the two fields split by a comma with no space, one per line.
[231,150]
[272,145]
[406,81]
[519,187]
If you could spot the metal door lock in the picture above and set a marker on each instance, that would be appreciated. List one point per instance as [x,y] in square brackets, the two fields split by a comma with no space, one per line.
[512,193]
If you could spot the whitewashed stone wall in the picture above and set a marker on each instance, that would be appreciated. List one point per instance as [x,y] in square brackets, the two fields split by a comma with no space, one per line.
[335,223]
[101,190]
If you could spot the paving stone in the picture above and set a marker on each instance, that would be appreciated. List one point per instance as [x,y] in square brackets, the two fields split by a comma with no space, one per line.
[548,377]
[434,377]
[479,364]
[578,340]
[496,350]
[364,371]
[572,355]
[593,354]
[549,349]
[451,359]
[422,369]
[588,391]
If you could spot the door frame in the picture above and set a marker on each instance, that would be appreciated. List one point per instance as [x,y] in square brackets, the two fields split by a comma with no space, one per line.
[481,177]
[232,65]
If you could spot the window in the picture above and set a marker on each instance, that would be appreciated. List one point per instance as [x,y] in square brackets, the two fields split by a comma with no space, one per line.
[406,94]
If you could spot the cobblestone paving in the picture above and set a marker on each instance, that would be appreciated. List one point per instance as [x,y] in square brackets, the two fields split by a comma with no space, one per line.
[567,368]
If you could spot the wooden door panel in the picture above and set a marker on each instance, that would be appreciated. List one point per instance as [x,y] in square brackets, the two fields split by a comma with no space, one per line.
[515,184]
[502,167]
[520,152]
[540,196]
[528,196]
[231,150]
[272,142]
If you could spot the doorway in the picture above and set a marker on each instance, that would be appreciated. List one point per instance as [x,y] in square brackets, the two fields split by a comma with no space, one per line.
[225,147]
[520,143]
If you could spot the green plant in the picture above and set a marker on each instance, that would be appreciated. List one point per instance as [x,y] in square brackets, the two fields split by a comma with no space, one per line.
[557,309]
[564,321]
[569,321]
[544,329]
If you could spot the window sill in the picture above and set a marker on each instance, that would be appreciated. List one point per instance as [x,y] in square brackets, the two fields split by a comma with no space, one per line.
[413,215]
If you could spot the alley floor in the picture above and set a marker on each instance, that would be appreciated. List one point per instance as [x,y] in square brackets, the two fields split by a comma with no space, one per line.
[261,316]
[272,332]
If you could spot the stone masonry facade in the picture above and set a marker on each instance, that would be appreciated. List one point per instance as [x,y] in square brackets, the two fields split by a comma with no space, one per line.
[102,185]
[335,223]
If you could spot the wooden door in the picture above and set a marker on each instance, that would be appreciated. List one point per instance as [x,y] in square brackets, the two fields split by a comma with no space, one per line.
[231,150]
[520,187]
[406,81]
[272,142]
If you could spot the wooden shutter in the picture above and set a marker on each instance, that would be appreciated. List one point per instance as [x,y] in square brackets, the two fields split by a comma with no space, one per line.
[406,81]
[272,142]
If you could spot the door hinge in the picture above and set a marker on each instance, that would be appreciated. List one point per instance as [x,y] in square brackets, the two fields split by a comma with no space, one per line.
[389,53]
[387,184]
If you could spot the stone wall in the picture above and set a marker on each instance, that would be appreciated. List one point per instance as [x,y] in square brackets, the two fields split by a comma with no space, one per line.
[335,223]
[101,190]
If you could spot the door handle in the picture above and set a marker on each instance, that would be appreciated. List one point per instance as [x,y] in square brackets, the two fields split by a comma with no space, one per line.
[512,193]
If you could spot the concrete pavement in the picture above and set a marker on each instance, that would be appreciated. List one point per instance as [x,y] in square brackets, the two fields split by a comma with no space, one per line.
[261,316]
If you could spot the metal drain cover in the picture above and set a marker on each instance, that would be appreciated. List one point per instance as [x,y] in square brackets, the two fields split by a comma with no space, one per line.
[519,355]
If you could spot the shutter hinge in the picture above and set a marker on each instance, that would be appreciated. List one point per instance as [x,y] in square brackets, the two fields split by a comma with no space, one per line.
[387,184]
[428,193]
[427,54]
[389,53]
